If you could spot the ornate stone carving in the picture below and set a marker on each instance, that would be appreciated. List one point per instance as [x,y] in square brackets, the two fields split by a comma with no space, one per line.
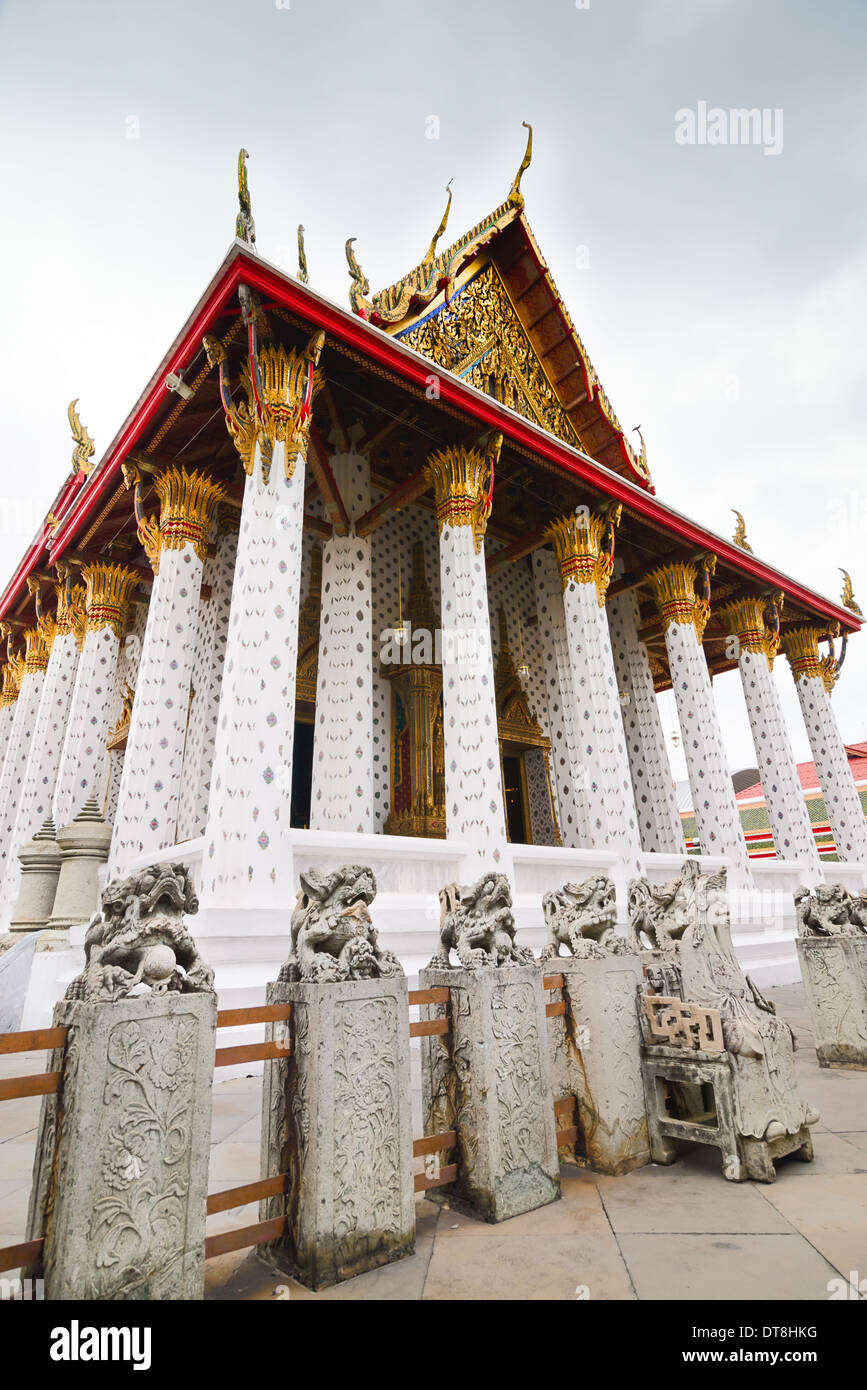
[584,546]
[477,924]
[831,910]
[463,482]
[582,917]
[333,936]
[659,916]
[138,936]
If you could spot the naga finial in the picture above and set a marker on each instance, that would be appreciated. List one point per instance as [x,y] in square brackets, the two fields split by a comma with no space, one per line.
[360,286]
[740,536]
[302,258]
[245,227]
[442,226]
[84,445]
[515,194]
[642,457]
[848,595]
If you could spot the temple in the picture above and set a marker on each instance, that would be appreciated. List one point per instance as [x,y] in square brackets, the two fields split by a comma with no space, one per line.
[391,585]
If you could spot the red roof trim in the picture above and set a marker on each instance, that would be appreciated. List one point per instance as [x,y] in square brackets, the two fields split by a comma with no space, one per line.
[241,265]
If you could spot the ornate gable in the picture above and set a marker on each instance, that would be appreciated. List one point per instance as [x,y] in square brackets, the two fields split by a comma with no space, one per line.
[479,337]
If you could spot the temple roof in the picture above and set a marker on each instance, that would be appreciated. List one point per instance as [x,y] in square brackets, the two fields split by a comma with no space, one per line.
[488,310]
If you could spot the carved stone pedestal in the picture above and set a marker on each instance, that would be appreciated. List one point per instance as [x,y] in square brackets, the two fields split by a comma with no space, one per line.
[489,1078]
[596,1058]
[120,1181]
[834,971]
[336,1116]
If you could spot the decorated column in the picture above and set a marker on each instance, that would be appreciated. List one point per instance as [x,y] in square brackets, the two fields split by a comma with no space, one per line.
[682,593]
[754,622]
[150,786]
[659,820]
[342,792]
[46,745]
[211,633]
[565,752]
[475,813]
[109,589]
[248,860]
[814,681]
[584,546]
[12,672]
[37,649]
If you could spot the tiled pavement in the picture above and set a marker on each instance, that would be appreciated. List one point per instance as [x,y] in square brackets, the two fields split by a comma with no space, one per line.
[659,1233]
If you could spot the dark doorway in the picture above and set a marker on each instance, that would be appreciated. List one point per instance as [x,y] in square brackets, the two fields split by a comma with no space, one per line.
[302,776]
[513,790]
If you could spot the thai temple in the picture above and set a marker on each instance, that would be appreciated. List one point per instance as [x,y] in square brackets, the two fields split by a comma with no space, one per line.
[390,584]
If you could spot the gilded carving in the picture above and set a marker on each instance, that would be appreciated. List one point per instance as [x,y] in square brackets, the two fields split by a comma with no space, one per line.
[245,227]
[682,592]
[755,621]
[84,445]
[463,482]
[109,591]
[584,545]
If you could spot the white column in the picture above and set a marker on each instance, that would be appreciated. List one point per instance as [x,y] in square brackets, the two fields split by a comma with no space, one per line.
[684,616]
[47,742]
[814,682]
[565,753]
[583,544]
[37,642]
[475,813]
[342,792]
[659,822]
[784,796]
[211,634]
[84,760]
[150,784]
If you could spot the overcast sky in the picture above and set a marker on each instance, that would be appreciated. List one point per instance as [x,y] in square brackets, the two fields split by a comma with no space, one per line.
[719,289]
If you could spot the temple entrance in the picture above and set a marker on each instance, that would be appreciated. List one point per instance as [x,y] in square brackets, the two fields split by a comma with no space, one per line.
[302,776]
[513,794]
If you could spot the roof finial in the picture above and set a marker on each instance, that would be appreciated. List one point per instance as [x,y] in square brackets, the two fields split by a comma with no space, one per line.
[442,226]
[302,258]
[84,445]
[740,536]
[245,227]
[848,596]
[360,286]
[515,194]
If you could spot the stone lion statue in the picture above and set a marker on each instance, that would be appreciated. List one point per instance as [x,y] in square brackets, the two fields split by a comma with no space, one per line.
[333,936]
[138,937]
[477,924]
[659,916]
[830,910]
[582,916]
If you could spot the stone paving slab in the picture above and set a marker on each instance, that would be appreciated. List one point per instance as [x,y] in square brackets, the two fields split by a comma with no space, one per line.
[728,1266]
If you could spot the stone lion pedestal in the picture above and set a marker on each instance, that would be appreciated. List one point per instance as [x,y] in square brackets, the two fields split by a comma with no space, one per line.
[489,1078]
[121,1178]
[596,1058]
[834,971]
[336,1116]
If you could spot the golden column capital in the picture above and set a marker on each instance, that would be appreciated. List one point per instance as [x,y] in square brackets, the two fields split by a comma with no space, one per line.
[11,683]
[584,545]
[801,646]
[463,484]
[682,592]
[71,599]
[755,621]
[188,502]
[109,591]
[37,649]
